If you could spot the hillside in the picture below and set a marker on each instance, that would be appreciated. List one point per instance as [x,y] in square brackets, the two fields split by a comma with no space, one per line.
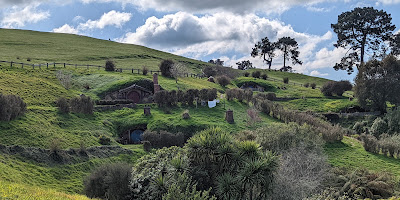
[43,124]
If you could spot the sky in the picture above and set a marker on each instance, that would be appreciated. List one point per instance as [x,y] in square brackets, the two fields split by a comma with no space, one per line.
[202,29]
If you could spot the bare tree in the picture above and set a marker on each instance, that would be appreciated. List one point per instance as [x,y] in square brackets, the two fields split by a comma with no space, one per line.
[178,70]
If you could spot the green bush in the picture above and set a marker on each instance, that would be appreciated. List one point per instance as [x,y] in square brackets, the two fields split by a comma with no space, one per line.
[306,85]
[379,127]
[256,74]
[334,87]
[63,105]
[165,68]
[104,140]
[286,80]
[109,182]
[209,71]
[110,66]
[313,85]
[246,74]
[223,80]
[11,107]
[163,139]
[264,76]
[82,104]
[360,127]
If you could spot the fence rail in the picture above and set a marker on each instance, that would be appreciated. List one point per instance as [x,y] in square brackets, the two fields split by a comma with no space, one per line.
[54,65]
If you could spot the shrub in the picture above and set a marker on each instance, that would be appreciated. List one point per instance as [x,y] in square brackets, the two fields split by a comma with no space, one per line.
[253,116]
[11,107]
[286,80]
[82,104]
[379,127]
[146,146]
[110,66]
[248,95]
[109,182]
[160,97]
[163,139]
[246,74]
[223,80]
[264,76]
[212,94]
[55,145]
[185,114]
[332,134]
[65,79]
[313,85]
[104,140]
[203,94]
[209,71]
[306,85]
[334,87]
[63,105]
[245,135]
[145,70]
[256,74]
[360,127]
[165,68]
[271,96]
[370,143]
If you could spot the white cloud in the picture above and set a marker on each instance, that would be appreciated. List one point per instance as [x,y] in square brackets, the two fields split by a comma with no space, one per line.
[189,35]
[318,9]
[213,6]
[112,18]
[389,2]
[16,17]
[66,29]
[317,73]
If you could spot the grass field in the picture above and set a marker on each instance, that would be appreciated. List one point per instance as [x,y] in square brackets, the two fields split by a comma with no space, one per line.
[351,155]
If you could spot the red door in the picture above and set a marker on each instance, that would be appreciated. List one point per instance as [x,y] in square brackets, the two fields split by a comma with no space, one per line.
[134,96]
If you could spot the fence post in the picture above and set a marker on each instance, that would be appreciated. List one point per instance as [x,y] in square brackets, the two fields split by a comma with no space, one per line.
[47,65]
[64,65]
[151,71]
[22,64]
[87,66]
[11,63]
[138,71]
[33,66]
[132,70]
[76,66]
[40,66]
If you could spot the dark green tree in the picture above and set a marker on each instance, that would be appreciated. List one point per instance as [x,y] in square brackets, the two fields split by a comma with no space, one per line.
[289,47]
[264,49]
[376,82]
[395,44]
[245,64]
[360,30]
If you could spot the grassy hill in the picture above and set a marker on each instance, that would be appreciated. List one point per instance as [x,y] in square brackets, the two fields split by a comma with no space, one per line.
[42,123]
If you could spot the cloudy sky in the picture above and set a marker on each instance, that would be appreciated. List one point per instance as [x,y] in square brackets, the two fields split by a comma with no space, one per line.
[201,29]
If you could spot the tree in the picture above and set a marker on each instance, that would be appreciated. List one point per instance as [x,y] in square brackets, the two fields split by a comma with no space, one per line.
[360,30]
[395,44]
[264,49]
[165,67]
[217,62]
[245,64]
[289,47]
[376,82]
[178,70]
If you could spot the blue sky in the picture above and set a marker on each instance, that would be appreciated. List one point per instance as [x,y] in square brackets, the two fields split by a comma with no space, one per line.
[203,30]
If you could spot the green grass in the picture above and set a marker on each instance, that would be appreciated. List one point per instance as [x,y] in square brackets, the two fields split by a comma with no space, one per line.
[351,155]
[43,47]
[320,104]
[21,191]
[65,178]
[293,77]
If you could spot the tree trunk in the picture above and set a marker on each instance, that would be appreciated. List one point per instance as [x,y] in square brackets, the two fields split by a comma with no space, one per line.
[363,49]
[284,59]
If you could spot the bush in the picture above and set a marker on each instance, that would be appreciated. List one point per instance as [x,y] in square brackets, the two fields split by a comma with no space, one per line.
[246,74]
[163,139]
[63,105]
[306,85]
[165,68]
[264,76]
[82,104]
[360,127]
[110,66]
[334,87]
[185,114]
[223,80]
[379,127]
[370,143]
[145,70]
[104,140]
[109,182]
[209,71]
[146,146]
[271,96]
[212,94]
[64,78]
[286,80]
[256,74]
[11,107]
[248,95]
[313,85]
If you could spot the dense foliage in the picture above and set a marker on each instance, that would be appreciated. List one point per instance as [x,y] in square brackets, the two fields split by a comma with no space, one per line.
[165,68]
[11,107]
[336,87]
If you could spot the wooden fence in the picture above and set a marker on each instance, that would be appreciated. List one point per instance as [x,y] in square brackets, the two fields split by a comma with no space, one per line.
[55,65]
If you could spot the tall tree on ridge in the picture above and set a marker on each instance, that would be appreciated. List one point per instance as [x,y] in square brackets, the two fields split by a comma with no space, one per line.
[289,47]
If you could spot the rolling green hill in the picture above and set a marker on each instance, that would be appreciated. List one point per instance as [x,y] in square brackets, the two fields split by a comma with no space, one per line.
[42,123]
